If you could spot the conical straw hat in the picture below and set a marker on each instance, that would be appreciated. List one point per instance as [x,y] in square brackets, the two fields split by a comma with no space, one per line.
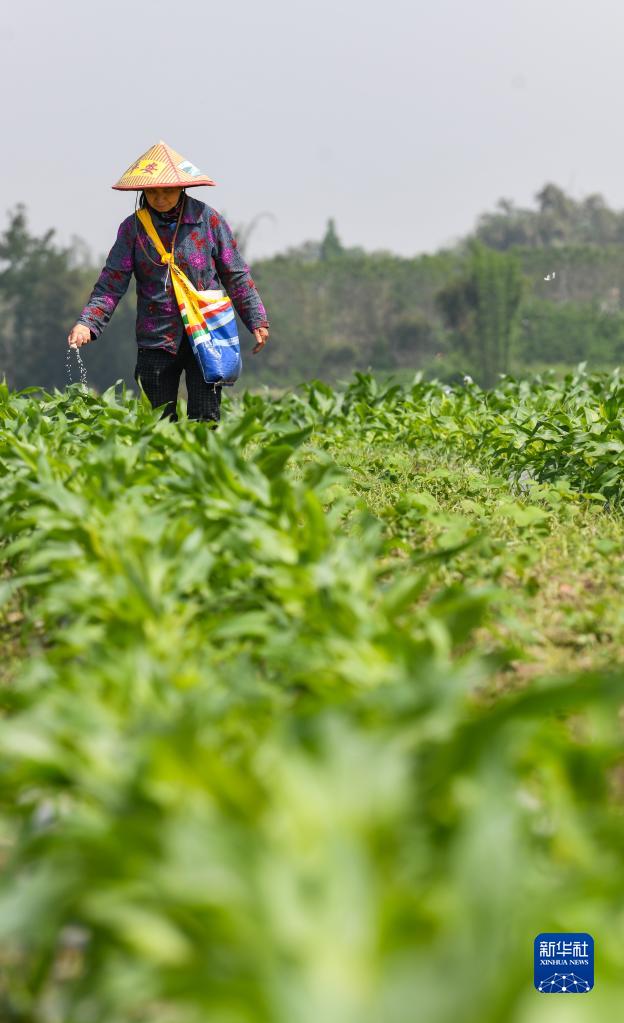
[161,167]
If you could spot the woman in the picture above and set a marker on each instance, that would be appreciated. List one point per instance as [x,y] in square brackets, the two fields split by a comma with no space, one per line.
[204,249]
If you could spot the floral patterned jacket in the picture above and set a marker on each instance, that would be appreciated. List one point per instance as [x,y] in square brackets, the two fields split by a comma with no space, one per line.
[205,250]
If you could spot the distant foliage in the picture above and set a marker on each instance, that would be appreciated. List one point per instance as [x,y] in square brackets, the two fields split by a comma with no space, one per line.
[39,287]
[43,288]
[571,332]
[331,246]
[335,309]
[481,308]
[558,220]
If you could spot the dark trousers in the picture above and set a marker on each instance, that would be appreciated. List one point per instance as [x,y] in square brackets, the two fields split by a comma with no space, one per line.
[159,373]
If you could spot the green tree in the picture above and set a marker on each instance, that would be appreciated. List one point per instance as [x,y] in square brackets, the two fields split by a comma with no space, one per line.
[43,287]
[331,246]
[39,288]
[558,220]
[481,309]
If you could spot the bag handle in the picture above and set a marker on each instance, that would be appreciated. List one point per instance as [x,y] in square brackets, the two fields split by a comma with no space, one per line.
[145,218]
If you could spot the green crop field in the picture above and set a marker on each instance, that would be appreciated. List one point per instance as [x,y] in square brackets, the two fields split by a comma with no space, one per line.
[317,718]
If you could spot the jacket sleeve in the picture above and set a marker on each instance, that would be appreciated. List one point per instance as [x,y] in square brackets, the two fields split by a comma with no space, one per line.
[235,275]
[113,281]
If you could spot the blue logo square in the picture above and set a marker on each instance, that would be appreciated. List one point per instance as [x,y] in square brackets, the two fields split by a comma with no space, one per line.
[564,963]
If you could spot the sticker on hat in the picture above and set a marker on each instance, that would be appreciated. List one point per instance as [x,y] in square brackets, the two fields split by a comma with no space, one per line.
[148,167]
[189,168]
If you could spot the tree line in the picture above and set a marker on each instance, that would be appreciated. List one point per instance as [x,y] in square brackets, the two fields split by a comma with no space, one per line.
[557,220]
[528,287]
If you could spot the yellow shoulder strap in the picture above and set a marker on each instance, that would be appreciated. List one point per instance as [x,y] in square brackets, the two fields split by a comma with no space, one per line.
[146,220]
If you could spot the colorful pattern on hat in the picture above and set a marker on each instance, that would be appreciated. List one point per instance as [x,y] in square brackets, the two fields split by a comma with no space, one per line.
[161,167]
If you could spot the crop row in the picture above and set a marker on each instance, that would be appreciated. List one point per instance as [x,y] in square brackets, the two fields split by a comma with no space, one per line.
[245,772]
[540,429]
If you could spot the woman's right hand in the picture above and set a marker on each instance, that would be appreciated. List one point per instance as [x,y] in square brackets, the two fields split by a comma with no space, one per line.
[79,335]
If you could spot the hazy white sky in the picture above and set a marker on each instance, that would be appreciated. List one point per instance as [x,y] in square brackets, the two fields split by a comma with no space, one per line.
[403,119]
